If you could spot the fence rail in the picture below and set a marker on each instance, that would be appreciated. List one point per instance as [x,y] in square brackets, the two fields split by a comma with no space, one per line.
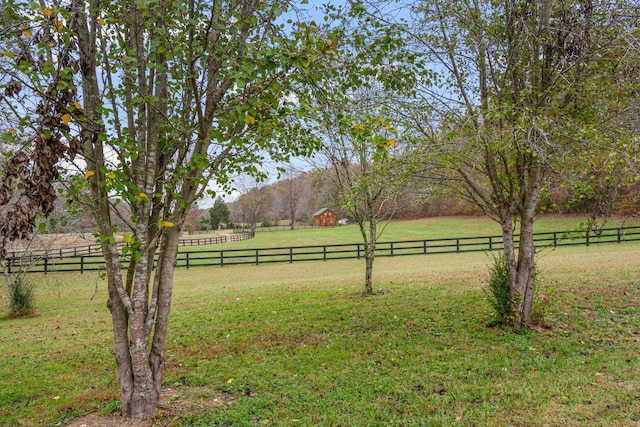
[90,250]
[225,257]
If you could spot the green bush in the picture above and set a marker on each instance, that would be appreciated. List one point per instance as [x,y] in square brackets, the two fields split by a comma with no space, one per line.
[498,289]
[21,296]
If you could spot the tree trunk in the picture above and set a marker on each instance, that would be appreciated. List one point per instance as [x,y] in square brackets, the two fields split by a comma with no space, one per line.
[521,265]
[370,238]
[140,329]
[369,256]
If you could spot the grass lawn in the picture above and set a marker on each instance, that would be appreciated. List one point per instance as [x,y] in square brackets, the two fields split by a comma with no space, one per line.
[429,228]
[298,345]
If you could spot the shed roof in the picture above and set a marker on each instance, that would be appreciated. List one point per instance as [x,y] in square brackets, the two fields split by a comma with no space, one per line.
[321,211]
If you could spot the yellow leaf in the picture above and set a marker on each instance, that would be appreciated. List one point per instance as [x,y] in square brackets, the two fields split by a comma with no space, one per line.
[126,238]
[89,174]
[47,12]
[111,175]
[392,142]
[166,224]
[66,118]
[101,21]
[77,105]
[12,130]
[249,119]
[26,33]
[59,25]
[230,380]
[142,196]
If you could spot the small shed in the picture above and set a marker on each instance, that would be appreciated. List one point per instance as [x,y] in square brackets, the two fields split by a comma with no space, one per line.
[325,218]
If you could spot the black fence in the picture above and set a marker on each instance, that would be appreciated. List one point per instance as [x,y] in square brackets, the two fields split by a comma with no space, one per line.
[95,250]
[221,258]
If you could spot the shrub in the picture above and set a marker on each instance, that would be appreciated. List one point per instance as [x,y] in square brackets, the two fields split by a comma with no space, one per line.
[21,295]
[498,289]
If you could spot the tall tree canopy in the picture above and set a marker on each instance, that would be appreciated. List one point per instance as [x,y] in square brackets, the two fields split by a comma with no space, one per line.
[219,213]
[151,101]
[515,92]
[355,118]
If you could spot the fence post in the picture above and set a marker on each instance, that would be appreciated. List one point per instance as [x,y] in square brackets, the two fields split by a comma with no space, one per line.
[290,255]
[587,237]
[221,258]
[324,253]
[358,250]
[257,257]
[555,239]
[490,243]
[391,248]
[81,264]
[46,265]
[424,247]
[458,245]
[619,236]
[187,260]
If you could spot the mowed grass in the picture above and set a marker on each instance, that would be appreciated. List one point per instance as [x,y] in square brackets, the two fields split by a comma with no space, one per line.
[298,345]
[429,228]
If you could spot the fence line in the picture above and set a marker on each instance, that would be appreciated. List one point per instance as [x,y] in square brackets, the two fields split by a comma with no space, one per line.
[89,250]
[292,254]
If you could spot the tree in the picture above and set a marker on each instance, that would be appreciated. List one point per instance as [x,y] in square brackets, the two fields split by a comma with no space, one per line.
[354,116]
[291,189]
[363,170]
[254,204]
[219,213]
[517,91]
[152,101]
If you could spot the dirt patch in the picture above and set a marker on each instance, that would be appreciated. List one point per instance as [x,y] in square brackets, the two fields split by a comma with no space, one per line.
[174,402]
[49,242]
[54,241]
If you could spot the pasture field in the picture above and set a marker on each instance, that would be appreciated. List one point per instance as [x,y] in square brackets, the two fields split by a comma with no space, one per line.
[429,228]
[298,345]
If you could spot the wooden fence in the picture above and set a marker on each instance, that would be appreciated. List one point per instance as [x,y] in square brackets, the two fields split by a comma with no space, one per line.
[90,250]
[221,258]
